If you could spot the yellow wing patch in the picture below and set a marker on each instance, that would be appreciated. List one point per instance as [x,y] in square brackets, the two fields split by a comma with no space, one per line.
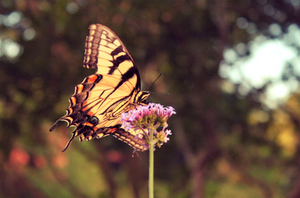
[101,98]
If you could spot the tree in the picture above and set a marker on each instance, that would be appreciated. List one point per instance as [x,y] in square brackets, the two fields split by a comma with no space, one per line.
[224,143]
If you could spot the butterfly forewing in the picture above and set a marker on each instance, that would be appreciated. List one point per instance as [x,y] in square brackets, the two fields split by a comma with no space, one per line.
[101,98]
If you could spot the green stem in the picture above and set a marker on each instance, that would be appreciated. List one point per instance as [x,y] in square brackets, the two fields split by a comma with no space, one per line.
[151,166]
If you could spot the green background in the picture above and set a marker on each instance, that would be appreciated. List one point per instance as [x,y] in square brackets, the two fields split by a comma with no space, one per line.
[224,144]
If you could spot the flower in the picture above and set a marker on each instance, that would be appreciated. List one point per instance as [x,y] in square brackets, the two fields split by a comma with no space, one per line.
[146,119]
[162,137]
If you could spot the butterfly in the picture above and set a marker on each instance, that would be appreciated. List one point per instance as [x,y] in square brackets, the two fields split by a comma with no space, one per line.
[98,102]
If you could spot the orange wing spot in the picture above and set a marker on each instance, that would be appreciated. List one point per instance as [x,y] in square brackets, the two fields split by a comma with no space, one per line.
[92,79]
[88,124]
[112,130]
[85,108]
[89,113]
[84,103]
[100,135]
[67,119]
[79,88]
[73,100]
[95,128]
[89,138]
[70,110]
[76,134]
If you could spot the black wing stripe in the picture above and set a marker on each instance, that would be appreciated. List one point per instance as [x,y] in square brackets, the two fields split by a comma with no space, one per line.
[117,62]
[97,103]
[117,51]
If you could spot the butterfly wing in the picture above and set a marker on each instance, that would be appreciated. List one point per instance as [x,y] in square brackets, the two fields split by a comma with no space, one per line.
[101,98]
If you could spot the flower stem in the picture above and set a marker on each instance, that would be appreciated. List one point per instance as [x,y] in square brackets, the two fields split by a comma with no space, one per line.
[151,166]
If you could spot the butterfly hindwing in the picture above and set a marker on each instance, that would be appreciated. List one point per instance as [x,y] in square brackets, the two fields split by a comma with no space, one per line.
[101,98]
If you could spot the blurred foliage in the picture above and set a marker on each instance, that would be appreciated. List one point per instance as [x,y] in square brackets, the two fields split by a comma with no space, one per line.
[224,144]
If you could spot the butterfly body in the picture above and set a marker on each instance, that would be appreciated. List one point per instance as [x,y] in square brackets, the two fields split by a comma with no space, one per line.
[101,98]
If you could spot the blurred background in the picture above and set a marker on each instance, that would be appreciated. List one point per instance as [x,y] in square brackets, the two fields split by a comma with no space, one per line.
[229,68]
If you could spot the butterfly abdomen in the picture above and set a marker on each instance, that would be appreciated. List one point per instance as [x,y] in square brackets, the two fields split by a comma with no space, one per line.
[98,102]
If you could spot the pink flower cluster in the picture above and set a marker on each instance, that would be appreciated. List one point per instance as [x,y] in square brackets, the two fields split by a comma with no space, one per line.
[143,119]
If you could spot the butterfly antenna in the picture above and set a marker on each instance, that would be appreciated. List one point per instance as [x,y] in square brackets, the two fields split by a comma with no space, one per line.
[69,142]
[155,81]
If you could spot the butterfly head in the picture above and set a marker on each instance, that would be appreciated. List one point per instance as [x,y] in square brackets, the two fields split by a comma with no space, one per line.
[142,96]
